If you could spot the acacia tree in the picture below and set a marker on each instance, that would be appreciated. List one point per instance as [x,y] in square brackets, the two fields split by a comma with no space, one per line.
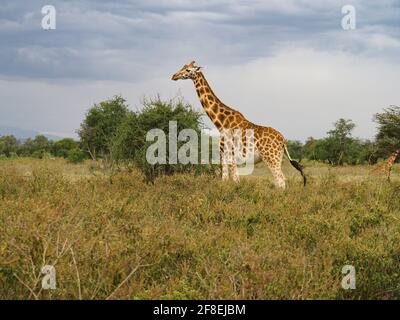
[339,140]
[388,136]
[100,125]
[130,142]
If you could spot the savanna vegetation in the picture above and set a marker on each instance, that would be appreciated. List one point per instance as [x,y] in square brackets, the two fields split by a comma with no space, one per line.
[185,236]
[86,208]
[113,134]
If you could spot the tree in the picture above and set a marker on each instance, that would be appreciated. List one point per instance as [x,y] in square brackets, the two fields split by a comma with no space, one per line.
[339,141]
[129,139]
[296,149]
[388,136]
[25,149]
[36,147]
[100,126]
[130,143]
[8,145]
[368,152]
[359,152]
[42,143]
[339,147]
[309,148]
[61,148]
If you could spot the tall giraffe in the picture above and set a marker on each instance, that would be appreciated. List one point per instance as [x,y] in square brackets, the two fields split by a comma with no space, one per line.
[386,167]
[270,145]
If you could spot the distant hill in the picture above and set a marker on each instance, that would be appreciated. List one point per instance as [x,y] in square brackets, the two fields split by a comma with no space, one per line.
[23,134]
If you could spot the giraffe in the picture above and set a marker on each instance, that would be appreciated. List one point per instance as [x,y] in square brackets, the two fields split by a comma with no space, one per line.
[269,144]
[386,167]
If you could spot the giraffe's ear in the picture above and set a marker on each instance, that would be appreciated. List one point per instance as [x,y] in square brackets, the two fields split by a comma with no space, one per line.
[198,69]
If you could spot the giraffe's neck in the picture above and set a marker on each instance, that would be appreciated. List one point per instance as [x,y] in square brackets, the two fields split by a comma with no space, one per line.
[393,157]
[219,113]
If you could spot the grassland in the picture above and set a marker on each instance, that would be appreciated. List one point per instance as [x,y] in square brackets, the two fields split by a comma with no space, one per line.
[113,236]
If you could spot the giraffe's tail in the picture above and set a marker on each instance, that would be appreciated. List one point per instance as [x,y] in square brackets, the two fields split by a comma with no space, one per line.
[296,165]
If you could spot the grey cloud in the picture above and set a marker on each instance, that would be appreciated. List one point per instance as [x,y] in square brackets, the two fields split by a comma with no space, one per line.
[101,48]
[114,41]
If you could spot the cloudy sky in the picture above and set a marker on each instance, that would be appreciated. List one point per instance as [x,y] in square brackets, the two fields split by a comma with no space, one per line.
[283,63]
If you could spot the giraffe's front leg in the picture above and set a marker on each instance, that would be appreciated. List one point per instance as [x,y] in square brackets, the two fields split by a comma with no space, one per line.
[229,166]
[224,161]
[225,171]
[388,174]
[233,172]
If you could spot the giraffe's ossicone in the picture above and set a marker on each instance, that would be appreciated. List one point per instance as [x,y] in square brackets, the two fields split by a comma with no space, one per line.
[269,144]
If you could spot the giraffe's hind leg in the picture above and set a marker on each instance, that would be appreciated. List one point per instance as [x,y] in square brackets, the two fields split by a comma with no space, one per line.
[274,163]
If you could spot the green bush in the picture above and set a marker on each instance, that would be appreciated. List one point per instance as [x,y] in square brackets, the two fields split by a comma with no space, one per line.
[76,156]
[38,154]
[296,149]
[62,147]
[100,125]
[130,145]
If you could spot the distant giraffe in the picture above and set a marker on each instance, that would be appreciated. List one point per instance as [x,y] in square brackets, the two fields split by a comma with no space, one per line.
[386,167]
[270,145]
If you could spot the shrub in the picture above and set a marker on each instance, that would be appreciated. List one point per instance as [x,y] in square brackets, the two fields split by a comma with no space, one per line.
[61,148]
[130,145]
[76,156]
[100,125]
[38,154]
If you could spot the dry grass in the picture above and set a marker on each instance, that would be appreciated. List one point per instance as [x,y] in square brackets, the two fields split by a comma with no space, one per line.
[196,237]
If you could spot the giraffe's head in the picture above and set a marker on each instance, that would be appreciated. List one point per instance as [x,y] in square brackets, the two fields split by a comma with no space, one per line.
[188,71]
